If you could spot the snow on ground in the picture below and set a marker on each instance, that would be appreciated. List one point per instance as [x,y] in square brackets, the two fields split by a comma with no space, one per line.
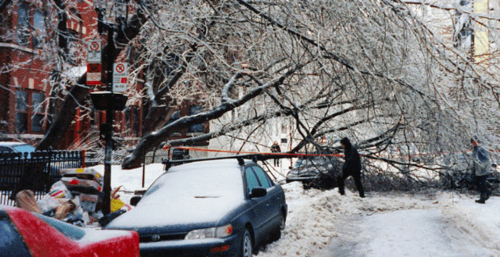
[323,223]
[131,180]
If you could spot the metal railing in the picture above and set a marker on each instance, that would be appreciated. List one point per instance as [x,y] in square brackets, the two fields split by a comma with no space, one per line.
[36,171]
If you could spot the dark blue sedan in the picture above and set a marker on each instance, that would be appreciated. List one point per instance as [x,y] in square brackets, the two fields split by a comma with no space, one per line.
[208,208]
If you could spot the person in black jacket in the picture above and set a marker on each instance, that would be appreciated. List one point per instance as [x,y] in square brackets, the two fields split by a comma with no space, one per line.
[275,148]
[352,166]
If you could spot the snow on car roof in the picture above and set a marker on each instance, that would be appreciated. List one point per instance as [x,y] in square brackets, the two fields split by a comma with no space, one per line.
[228,163]
[221,178]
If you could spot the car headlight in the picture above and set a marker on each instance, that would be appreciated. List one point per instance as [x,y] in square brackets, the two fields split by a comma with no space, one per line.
[217,232]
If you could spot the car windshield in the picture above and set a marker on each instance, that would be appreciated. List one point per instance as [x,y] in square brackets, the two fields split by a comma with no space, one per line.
[24,148]
[199,180]
[70,231]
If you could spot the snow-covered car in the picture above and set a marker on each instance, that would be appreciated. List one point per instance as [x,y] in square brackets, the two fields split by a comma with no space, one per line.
[207,208]
[309,169]
[27,234]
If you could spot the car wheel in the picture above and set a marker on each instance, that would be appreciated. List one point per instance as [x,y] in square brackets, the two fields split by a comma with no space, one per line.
[246,244]
[282,224]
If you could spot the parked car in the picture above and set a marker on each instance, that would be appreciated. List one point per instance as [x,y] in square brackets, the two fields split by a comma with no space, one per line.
[27,234]
[16,147]
[309,170]
[42,170]
[207,208]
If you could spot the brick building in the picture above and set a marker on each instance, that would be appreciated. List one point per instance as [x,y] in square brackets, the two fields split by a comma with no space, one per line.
[26,28]
[26,97]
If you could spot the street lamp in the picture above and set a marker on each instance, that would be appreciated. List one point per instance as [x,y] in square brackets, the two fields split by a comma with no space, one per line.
[108,100]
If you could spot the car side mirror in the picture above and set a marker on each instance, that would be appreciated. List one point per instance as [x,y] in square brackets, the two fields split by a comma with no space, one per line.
[258,192]
[135,200]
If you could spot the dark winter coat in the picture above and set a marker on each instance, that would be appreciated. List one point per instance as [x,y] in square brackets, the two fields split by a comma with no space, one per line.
[275,148]
[352,160]
[481,161]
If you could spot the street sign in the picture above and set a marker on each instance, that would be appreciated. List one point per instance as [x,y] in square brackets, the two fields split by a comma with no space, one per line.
[94,71]
[120,77]
[94,51]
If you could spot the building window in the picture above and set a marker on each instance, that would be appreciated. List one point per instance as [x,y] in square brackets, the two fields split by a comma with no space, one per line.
[196,128]
[175,116]
[127,121]
[21,112]
[22,30]
[137,123]
[39,25]
[29,112]
[132,120]
[37,112]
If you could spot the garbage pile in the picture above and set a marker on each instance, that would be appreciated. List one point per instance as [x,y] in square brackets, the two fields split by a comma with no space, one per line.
[76,199]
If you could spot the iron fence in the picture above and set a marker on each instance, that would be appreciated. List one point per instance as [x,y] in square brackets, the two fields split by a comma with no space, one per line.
[36,171]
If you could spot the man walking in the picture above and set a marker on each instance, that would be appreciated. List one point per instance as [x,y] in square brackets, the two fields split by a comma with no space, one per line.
[481,169]
[352,167]
[275,148]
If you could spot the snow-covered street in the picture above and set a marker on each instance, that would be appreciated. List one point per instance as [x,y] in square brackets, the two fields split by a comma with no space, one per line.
[444,224]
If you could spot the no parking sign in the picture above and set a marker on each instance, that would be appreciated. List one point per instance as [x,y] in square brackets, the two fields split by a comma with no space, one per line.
[94,51]
[94,68]
[120,77]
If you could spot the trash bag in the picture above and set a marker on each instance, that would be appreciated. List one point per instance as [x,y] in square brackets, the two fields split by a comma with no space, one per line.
[63,210]
[48,204]
[59,190]
[25,199]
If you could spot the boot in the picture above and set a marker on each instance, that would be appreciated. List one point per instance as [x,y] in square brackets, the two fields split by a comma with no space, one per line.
[482,201]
